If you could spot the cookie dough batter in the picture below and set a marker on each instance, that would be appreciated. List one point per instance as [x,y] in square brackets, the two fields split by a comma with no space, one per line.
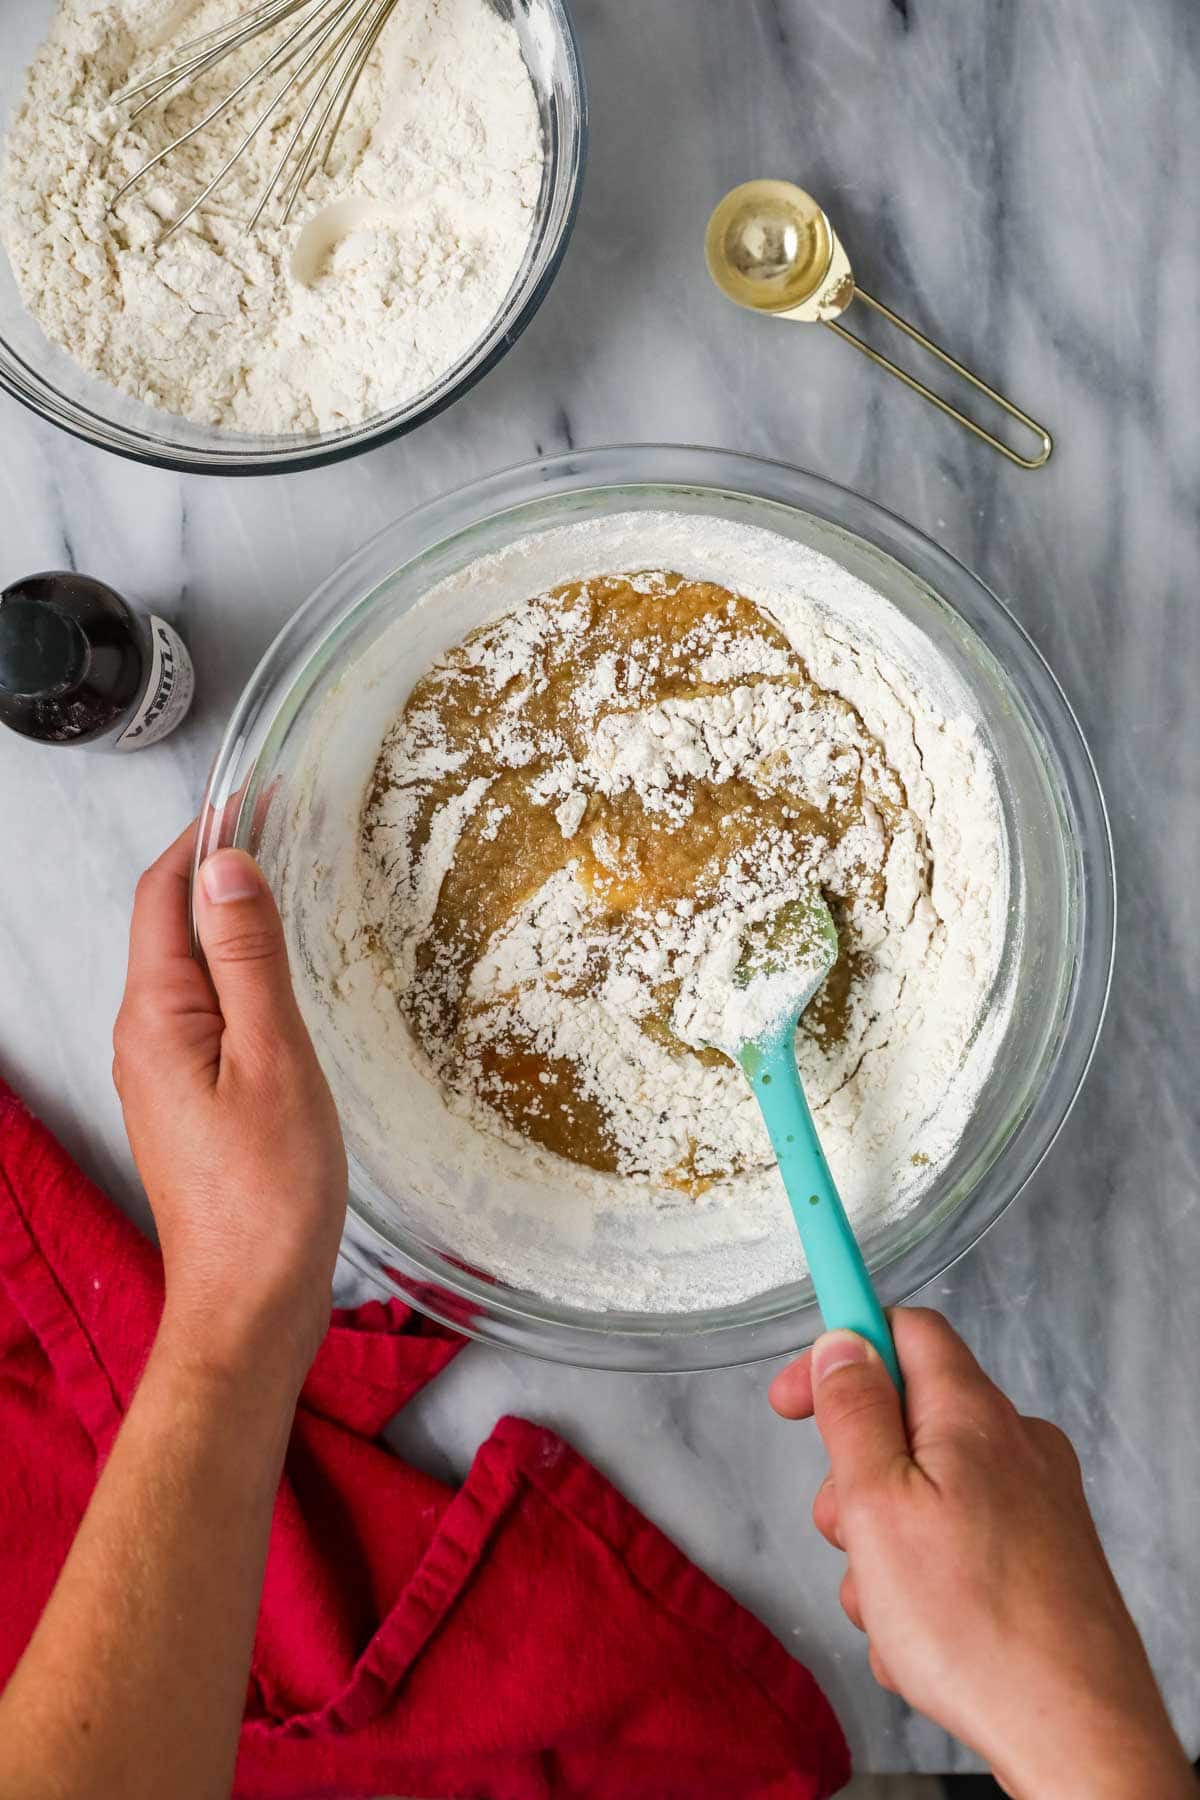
[574,805]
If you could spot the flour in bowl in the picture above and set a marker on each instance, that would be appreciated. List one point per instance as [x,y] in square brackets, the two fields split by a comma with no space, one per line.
[633,740]
[396,260]
[584,809]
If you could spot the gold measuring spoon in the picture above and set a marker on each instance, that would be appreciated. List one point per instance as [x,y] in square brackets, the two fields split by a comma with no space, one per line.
[771,248]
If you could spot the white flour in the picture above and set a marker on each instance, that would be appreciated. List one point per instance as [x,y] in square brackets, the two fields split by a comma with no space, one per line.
[891,1100]
[395,262]
[672,1119]
[755,979]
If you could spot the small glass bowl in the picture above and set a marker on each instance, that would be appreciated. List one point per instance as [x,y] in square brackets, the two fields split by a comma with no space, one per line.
[48,381]
[1058,953]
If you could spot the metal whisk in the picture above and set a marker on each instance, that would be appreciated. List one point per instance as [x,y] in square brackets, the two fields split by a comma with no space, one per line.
[328,45]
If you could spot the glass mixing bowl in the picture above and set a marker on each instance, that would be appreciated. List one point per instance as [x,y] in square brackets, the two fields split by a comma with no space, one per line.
[46,379]
[263,797]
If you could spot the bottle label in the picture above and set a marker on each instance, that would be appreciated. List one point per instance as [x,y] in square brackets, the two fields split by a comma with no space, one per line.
[168,692]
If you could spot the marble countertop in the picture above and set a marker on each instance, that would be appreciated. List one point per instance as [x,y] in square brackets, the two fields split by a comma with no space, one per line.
[1018,178]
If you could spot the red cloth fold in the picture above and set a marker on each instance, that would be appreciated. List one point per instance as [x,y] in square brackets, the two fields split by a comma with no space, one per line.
[530,1637]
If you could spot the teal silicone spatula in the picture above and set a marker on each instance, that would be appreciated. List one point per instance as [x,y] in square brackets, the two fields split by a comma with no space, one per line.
[781,966]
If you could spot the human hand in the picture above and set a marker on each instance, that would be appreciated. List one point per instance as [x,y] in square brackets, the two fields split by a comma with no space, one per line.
[975,1569]
[230,1119]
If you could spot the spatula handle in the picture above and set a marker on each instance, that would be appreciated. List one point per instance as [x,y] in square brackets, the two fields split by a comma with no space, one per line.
[839,1275]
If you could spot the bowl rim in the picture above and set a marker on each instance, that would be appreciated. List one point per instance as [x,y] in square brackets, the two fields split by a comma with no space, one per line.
[689,1341]
[72,417]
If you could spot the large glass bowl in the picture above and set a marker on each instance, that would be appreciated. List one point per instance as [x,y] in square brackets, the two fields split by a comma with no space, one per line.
[51,383]
[1059,949]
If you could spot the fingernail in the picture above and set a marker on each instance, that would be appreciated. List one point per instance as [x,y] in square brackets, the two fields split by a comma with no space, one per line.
[230,875]
[838,1350]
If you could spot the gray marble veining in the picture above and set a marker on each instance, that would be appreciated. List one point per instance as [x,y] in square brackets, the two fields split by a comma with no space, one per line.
[1018,178]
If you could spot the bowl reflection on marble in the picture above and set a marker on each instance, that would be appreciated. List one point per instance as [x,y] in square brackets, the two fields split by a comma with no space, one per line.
[289,779]
[51,383]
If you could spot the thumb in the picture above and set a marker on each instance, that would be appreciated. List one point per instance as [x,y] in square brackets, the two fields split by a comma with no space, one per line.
[857,1410]
[242,938]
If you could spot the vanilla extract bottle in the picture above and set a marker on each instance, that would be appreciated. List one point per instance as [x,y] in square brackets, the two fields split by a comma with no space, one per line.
[80,665]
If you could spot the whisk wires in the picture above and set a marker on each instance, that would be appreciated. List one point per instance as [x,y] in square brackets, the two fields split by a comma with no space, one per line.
[328,47]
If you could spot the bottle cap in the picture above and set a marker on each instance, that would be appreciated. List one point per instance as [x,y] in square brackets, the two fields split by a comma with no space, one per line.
[42,652]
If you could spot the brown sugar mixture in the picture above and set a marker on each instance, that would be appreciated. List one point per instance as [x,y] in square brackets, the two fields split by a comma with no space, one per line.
[575,803]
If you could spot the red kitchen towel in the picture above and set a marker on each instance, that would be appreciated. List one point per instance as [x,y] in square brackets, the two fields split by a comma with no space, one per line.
[530,1637]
